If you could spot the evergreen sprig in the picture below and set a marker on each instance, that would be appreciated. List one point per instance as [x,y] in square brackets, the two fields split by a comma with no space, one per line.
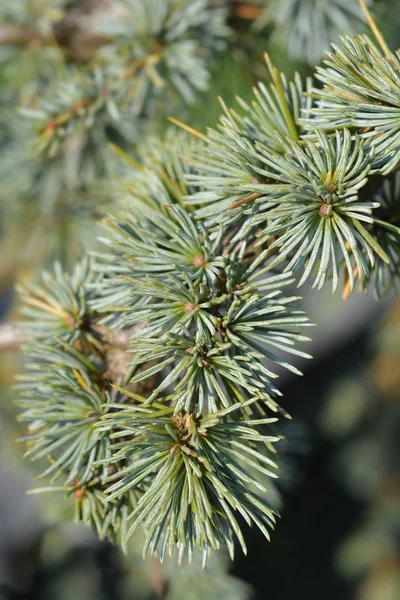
[321,215]
[228,167]
[59,307]
[80,101]
[161,244]
[175,432]
[205,326]
[362,90]
[64,399]
[165,43]
[103,75]
[301,191]
[153,46]
[198,476]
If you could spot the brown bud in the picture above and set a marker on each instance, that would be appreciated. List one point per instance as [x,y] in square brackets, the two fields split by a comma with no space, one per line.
[79,494]
[326,210]
[71,321]
[199,261]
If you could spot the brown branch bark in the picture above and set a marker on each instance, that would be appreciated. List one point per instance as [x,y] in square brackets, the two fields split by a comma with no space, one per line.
[80,45]
[11,337]
[16,35]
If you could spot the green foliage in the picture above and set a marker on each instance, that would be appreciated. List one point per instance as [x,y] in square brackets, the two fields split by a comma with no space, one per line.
[214,362]
[83,101]
[169,42]
[154,47]
[306,193]
[59,307]
[321,211]
[91,77]
[361,89]
[206,320]
[152,391]
[63,407]
[197,482]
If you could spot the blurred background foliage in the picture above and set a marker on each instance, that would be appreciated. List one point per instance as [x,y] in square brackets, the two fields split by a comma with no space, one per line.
[340,490]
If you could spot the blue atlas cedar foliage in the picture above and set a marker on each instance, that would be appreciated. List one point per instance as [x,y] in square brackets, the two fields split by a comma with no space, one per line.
[154,50]
[181,443]
[86,75]
[232,313]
